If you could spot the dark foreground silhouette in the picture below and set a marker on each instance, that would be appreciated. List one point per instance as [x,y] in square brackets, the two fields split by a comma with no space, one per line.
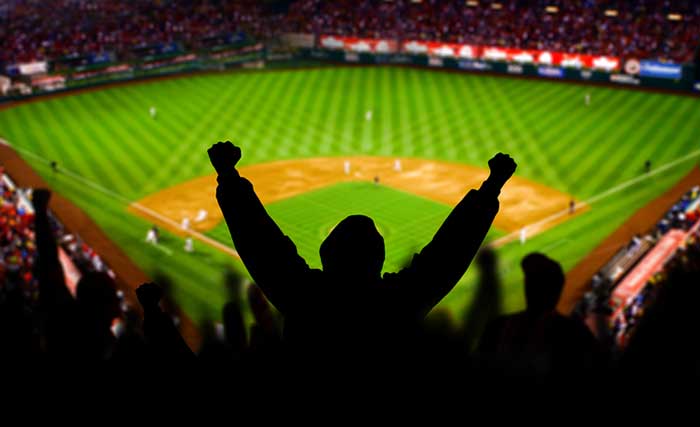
[348,309]
[540,341]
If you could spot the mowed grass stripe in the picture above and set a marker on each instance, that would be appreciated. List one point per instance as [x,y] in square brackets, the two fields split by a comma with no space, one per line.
[126,153]
[519,140]
[184,149]
[145,150]
[244,127]
[635,148]
[80,145]
[609,133]
[297,110]
[544,116]
[681,135]
[177,113]
[46,130]
[328,115]
[585,140]
[44,140]
[572,140]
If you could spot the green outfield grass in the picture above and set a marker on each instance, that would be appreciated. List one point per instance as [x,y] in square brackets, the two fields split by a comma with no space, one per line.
[120,154]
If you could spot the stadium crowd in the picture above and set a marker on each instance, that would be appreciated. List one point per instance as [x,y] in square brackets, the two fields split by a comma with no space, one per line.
[351,323]
[43,30]
[639,29]
[596,302]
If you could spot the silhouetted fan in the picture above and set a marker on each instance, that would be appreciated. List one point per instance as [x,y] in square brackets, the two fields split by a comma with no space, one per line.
[348,308]
[540,341]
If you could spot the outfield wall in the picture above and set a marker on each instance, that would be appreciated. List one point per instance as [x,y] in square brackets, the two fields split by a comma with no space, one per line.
[633,74]
[46,78]
[681,78]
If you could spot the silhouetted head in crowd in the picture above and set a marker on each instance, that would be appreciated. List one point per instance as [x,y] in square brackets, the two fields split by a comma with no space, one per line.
[354,251]
[544,281]
[97,299]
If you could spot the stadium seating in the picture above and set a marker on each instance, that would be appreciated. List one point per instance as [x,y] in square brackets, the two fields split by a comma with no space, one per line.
[653,29]
[642,29]
[42,30]
[625,315]
[18,246]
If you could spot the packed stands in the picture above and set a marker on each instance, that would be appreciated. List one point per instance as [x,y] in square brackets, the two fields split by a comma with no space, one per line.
[18,246]
[626,286]
[649,29]
[34,30]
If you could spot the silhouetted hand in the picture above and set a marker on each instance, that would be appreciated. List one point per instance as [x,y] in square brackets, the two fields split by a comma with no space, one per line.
[224,156]
[40,199]
[502,168]
[149,295]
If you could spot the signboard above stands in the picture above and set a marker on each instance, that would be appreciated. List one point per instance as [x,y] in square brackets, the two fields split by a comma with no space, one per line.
[466,51]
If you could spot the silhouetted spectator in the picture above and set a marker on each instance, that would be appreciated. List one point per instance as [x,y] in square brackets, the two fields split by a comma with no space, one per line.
[540,341]
[75,329]
[349,309]
[486,304]
[161,335]
[664,345]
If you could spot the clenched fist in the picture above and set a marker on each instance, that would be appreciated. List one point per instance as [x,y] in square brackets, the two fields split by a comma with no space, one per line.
[502,168]
[224,156]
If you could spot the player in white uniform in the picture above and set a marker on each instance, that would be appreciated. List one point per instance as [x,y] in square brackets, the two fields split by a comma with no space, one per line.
[185,225]
[152,235]
[587,99]
[346,167]
[201,215]
[368,115]
[153,112]
[189,245]
[397,165]
[523,235]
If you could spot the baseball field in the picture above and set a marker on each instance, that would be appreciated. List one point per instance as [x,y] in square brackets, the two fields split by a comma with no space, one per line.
[314,140]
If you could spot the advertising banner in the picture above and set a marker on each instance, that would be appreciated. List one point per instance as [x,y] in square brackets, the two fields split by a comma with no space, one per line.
[435,62]
[167,62]
[660,70]
[49,82]
[551,72]
[5,84]
[473,52]
[356,44]
[114,69]
[651,264]
[450,50]
[515,69]
[624,79]
[475,65]
[28,69]
[299,40]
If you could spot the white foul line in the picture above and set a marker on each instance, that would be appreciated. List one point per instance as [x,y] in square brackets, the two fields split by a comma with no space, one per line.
[227,249]
[614,190]
[199,236]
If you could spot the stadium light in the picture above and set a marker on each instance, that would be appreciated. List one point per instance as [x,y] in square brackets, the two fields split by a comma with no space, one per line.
[675,17]
[611,12]
[496,6]
[551,9]
[472,3]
